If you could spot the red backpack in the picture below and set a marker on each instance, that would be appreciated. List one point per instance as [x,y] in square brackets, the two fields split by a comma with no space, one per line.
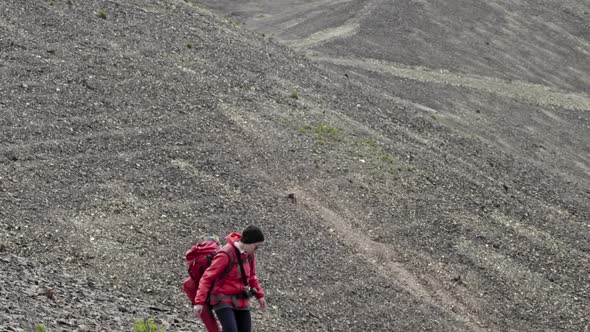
[198,259]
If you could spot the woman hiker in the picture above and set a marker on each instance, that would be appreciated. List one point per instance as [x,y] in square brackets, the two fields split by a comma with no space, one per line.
[231,279]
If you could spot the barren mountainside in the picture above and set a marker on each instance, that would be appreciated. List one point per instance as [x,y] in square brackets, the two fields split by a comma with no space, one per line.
[414,165]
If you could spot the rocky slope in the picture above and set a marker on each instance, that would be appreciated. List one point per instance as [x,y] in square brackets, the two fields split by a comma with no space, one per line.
[131,128]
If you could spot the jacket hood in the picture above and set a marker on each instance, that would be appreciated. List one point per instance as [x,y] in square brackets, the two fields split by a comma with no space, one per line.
[233,237]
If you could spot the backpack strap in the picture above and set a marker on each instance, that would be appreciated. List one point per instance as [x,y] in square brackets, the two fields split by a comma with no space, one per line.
[232,262]
[239,256]
[202,268]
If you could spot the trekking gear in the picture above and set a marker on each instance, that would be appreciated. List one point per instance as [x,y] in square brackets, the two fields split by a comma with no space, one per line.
[215,282]
[209,320]
[223,282]
[248,291]
[198,259]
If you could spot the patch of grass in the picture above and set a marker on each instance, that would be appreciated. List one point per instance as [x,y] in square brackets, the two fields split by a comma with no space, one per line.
[38,328]
[147,325]
[305,129]
[376,151]
[101,14]
[323,133]
[393,171]
[386,157]
[294,95]
[326,131]
[369,142]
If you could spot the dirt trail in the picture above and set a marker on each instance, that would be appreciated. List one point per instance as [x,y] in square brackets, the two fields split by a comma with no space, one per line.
[347,29]
[532,93]
[383,258]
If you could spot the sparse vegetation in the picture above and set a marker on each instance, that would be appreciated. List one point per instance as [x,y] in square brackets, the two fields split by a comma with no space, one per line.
[101,14]
[377,152]
[294,95]
[378,157]
[326,131]
[147,325]
[189,45]
[323,133]
[38,328]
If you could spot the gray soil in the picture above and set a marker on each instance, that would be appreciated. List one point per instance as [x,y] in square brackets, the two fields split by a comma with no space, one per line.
[415,165]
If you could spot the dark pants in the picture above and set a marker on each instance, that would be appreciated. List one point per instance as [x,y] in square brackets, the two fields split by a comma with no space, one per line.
[234,320]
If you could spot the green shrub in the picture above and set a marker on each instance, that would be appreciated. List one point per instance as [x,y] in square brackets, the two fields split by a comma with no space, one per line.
[326,132]
[102,14]
[323,133]
[146,326]
[38,328]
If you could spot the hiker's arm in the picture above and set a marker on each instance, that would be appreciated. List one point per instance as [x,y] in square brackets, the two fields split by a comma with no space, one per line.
[213,272]
[253,280]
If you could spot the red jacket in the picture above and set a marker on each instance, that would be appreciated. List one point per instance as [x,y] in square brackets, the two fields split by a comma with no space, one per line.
[227,280]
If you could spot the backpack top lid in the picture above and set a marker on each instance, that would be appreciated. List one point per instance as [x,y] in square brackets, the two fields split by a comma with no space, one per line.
[209,246]
[202,249]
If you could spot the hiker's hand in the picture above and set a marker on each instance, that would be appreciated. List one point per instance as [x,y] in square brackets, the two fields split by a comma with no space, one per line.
[262,303]
[198,308]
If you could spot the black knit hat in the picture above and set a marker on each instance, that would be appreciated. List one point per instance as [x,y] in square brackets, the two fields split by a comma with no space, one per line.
[252,234]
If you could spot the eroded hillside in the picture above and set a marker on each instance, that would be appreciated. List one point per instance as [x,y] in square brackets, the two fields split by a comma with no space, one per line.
[131,128]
